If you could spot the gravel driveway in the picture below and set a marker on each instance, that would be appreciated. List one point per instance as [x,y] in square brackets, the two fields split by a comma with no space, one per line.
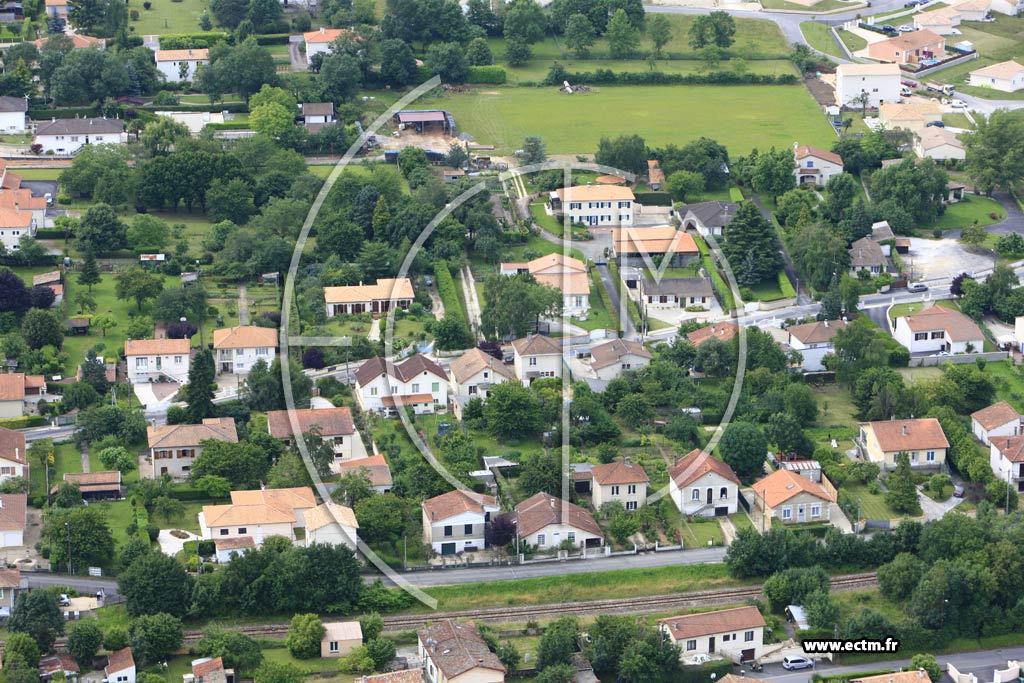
[941,258]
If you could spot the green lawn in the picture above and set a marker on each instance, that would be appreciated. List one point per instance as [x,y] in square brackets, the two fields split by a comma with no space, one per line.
[900,310]
[973,209]
[820,6]
[742,521]
[546,221]
[852,40]
[320,171]
[167,16]
[536,70]
[39,173]
[819,37]
[598,318]
[770,115]
[66,459]
[702,534]
[1009,383]
[872,505]
[957,121]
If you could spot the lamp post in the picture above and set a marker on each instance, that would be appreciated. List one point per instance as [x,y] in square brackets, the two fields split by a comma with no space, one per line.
[67,528]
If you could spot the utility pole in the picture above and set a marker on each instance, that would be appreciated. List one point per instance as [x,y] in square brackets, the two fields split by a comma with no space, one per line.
[67,527]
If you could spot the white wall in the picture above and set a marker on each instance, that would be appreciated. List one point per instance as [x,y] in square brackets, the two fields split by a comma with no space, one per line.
[1011,428]
[12,121]
[171,69]
[546,366]
[616,212]
[880,88]
[143,368]
[812,354]
[11,237]
[555,534]
[371,396]
[687,505]
[625,494]
[731,648]
[69,144]
[242,360]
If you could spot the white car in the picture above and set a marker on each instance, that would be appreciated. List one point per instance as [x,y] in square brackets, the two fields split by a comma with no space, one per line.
[906,28]
[958,104]
[792,663]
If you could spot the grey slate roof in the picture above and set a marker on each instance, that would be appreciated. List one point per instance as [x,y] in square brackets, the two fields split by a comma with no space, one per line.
[94,126]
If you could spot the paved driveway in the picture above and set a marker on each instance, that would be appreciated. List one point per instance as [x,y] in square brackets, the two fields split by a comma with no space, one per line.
[172,545]
[933,509]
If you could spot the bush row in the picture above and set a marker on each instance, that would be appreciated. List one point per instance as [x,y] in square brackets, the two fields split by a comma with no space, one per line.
[494,75]
[608,77]
[49,234]
[231,107]
[453,306]
[23,422]
[271,39]
[653,198]
[70,113]
[190,41]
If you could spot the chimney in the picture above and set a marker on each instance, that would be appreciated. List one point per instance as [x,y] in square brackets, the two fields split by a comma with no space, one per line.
[920,673]
[904,430]
[826,323]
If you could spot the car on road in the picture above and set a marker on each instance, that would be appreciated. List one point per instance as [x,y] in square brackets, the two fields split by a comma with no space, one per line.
[906,28]
[917,287]
[792,663]
[935,124]
[958,104]
[958,491]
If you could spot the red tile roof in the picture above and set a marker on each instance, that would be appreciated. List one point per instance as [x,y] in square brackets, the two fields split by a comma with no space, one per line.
[619,473]
[710,623]
[696,464]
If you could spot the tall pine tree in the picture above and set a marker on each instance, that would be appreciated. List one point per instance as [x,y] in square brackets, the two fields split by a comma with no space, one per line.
[751,246]
[200,388]
[90,273]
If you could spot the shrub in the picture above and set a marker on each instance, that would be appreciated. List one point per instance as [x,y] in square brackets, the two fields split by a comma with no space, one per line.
[494,75]
[134,15]
[147,5]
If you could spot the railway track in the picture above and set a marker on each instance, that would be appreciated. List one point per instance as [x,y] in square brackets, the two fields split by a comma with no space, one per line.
[522,614]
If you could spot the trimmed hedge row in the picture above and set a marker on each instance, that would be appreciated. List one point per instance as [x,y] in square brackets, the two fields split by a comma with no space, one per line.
[188,41]
[271,39]
[609,77]
[231,107]
[187,493]
[23,422]
[702,673]
[453,306]
[654,198]
[493,75]
[49,234]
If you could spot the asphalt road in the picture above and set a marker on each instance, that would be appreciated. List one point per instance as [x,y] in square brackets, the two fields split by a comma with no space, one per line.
[83,584]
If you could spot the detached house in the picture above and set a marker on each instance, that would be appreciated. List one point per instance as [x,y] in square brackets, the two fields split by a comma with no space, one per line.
[701,484]
[67,136]
[1004,76]
[13,111]
[535,357]
[676,293]
[737,634]
[938,329]
[19,393]
[867,254]
[720,331]
[564,273]
[150,360]
[611,359]
[451,652]
[547,522]
[174,448]
[619,482]
[595,205]
[473,374]
[637,246]
[13,519]
[814,341]
[942,21]
[922,439]
[998,419]
[909,48]
[814,165]
[12,455]
[1006,456]
[15,225]
[319,41]
[454,522]
[209,670]
[334,425]
[120,666]
[375,468]
[380,298]
[180,66]
[340,638]
[237,349]
[793,499]
[939,144]
[870,83]
[709,218]
[384,387]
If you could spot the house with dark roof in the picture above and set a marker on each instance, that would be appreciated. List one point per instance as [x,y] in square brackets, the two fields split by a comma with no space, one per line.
[453,652]
[921,438]
[454,522]
[619,482]
[334,425]
[737,634]
[546,522]
[535,357]
[67,136]
[814,341]
[998,419]
[174,448]
[867,254]
[815,166]
[677,292]
[384,387]
[612,358]
[938,330]
[703,485]
[708,218]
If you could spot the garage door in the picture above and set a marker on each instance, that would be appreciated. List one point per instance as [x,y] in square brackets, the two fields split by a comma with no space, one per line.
[722,511]
[447,548]
[12,539]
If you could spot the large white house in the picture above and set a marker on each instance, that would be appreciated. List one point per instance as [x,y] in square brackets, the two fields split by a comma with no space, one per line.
[619,482]
[565,273]
[237,349]
[150,359]
[535,357]
[595,205]
[319,41]
[814,341]
[737,633]
[454,522]
[701,484]
[179,66]
[67,136]
[174,448]
[937,329]
[13,462]
[14,226]
[13,111]
[870,84]
[473,374]
[814,165]
[1005,76]
[1006,456]
[334,425]
[546,522]
[120,666]
[998,419]
[384,387]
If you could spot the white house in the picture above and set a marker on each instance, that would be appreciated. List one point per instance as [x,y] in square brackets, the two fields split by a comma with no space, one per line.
[454,522]
[67,136]
[319,41]
[938,329]
[13,519]
[1005,76]
[237,349]
[334,425]
[316,115]
[546,522]
[57,8]
[13,111]
[998,419]
[384,387]
[535,357]
[174,448]
[701,484]
[1006,456]
[1009,7]
[942,21]
[814,341]
[619,482]
[973,10]
[150,359]
[120,666]
[939,144]
[612,358]
[15,225]
[13,462]
[565,273]
[19,393]
[737,634]
[473,374]
[331,524]
[180,66]
[870,83]
[814,165]
[595,205]
[677,292]
[456,653]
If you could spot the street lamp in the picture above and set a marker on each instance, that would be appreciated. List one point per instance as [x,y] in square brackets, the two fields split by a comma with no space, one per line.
[67,528]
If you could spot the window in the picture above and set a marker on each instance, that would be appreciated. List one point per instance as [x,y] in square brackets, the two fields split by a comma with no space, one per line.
[486,374]
[615,490]
[748,636]
[467,529]
[930,457]
[373,391]
[239,352]
[435,387]
[415,388]
[691,645]
[242,530]
[540,539]
[74,138]
[334,646]
[631,505]
[920,336]
[141,362]
[447,531]
[815,511]
[913,456]
[571,536]
[631,489]
[261,351]
[472,390]
[695,494]
[533,361]
[726,637]
[787,513]
[939,335]
[723,492]
[223,532]
[177,360]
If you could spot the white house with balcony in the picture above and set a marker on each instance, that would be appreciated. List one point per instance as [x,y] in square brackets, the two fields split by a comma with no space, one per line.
[237,349]
[815,166]
[384,387]
[150,360]
[536,357]
[701,484]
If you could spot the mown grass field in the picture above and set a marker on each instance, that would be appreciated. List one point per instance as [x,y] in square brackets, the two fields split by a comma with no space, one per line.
[973,209]
[819,37]
[739,117]
[167,16]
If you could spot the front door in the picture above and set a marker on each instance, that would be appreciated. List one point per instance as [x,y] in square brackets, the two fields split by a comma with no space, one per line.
[709,496]
[800,515]
[711,644]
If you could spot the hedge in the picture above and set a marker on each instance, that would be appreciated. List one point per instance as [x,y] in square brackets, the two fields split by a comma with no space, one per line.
[231,107]
[50,234]
[653,198]
[453,305]
[187,493]
[70,113]
[838,678]
[606,299]
[271,39]
[187,41]
[702,673]
[23,422]
[785,286]
[228,125]
[494,75]
[609,77]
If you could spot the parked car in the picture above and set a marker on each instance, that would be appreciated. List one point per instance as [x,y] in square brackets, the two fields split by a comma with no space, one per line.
[64,600]
[935,124]
[793,663]
[906,28]
[958,104]
[917,287]
[958,491]
[888,28]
